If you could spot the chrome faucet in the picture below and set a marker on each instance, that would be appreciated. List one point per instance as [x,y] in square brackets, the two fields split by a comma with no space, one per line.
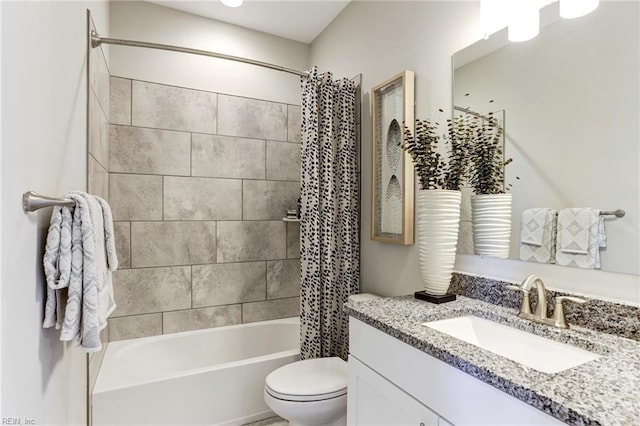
[540,315]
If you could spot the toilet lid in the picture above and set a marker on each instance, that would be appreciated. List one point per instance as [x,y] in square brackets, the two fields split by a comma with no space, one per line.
[320,378]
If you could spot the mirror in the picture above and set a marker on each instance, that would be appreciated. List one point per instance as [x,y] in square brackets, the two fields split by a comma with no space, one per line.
[570,98]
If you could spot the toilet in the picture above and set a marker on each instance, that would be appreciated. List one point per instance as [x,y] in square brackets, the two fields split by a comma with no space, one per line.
[313,391]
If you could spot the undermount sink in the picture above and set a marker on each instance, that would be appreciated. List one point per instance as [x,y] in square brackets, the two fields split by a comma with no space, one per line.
[539,353]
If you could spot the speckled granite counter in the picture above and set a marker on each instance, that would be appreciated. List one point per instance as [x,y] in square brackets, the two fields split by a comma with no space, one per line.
[605,391]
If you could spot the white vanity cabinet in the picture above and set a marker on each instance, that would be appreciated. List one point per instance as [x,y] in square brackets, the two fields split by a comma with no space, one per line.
[373,400]
[393,383]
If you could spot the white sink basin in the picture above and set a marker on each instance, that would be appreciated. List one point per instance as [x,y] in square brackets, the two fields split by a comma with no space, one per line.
[525,348]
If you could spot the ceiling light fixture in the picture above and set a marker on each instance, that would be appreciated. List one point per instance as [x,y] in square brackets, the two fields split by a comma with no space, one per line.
[575,8]
[232,3]
[524,23]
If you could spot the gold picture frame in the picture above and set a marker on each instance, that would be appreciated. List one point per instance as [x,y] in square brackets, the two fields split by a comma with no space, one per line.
[392,172]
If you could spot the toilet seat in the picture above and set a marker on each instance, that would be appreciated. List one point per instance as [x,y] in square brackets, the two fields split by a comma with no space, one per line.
[305,398]
[309,380]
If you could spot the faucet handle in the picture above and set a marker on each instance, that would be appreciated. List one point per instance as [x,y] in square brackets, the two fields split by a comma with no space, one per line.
[559,318]
[525,306]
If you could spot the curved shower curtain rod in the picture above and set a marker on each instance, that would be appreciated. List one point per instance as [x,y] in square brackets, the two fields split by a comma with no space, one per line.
[96,41]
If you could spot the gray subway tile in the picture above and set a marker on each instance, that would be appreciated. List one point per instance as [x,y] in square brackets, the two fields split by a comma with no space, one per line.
[283,279]
[228,283]
[120,101]
[98,144]
[251,118]
[228,157]
[135,197]
[270,309]
[172,243]
[135,326]
[148,290]
[123,243]
[268,200]
[293,123]
[196,319]
[191,198]
[97,179]
[283,161]
[175,108]
[293,240]
[149,151]
[250,240]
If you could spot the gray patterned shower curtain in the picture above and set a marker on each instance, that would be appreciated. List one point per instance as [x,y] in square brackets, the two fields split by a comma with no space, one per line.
[329,229]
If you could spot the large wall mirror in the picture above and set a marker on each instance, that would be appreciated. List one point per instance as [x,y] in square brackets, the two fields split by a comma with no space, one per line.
[570,98]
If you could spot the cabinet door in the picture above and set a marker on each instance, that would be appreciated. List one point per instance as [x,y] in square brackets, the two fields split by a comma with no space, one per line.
[373,401]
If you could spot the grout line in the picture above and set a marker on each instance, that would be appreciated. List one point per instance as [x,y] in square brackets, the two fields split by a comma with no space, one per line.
[206,264]
[191,154]
[205,91]
[191,284]
[202,177]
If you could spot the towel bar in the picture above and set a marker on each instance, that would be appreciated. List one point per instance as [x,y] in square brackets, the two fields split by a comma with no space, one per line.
[32,201]
[616,213]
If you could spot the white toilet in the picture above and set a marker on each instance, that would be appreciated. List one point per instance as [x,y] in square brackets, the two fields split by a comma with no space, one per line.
[313,391]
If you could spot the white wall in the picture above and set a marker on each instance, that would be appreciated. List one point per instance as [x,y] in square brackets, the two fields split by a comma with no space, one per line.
[44,97]
[379,39]
[152,23]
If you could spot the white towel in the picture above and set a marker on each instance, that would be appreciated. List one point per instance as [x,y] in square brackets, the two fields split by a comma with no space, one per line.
[581,234]
[89,260]
[538,235]
[57,265]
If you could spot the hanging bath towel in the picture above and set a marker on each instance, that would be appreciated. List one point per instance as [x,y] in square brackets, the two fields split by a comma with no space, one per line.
[581,235]
[89,261]
[538,235]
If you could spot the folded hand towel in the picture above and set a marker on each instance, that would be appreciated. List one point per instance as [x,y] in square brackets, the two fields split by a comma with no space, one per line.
[538,235]
[581,234]
[574,234]
[533,225]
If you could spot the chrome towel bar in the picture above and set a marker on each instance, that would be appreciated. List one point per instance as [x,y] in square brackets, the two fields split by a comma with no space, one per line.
[616,213]
[32,201]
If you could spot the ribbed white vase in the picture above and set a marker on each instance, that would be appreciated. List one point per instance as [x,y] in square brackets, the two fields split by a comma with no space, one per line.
[491,216]
[438,222]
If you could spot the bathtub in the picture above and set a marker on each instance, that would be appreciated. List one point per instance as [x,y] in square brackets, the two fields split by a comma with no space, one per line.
[204,377]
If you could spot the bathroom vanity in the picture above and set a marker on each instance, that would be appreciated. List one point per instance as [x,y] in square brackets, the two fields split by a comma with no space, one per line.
[404,372]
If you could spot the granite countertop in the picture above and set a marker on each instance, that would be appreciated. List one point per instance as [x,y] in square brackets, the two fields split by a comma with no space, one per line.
[605,391]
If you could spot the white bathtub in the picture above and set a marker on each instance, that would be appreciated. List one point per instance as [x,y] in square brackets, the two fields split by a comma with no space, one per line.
[204,377]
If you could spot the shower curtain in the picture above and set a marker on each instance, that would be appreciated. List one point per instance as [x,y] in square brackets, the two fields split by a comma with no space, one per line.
[329,228]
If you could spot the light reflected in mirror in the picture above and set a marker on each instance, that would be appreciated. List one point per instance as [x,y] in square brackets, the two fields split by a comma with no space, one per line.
[571,102]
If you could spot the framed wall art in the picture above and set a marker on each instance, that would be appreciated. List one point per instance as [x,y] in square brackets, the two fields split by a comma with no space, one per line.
[392,107]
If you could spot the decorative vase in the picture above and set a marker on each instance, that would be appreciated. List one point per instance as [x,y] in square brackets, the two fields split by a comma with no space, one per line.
[491,217]
[438,222]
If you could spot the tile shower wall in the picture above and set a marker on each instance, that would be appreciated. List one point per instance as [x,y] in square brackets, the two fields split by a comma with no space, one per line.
[199,183]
